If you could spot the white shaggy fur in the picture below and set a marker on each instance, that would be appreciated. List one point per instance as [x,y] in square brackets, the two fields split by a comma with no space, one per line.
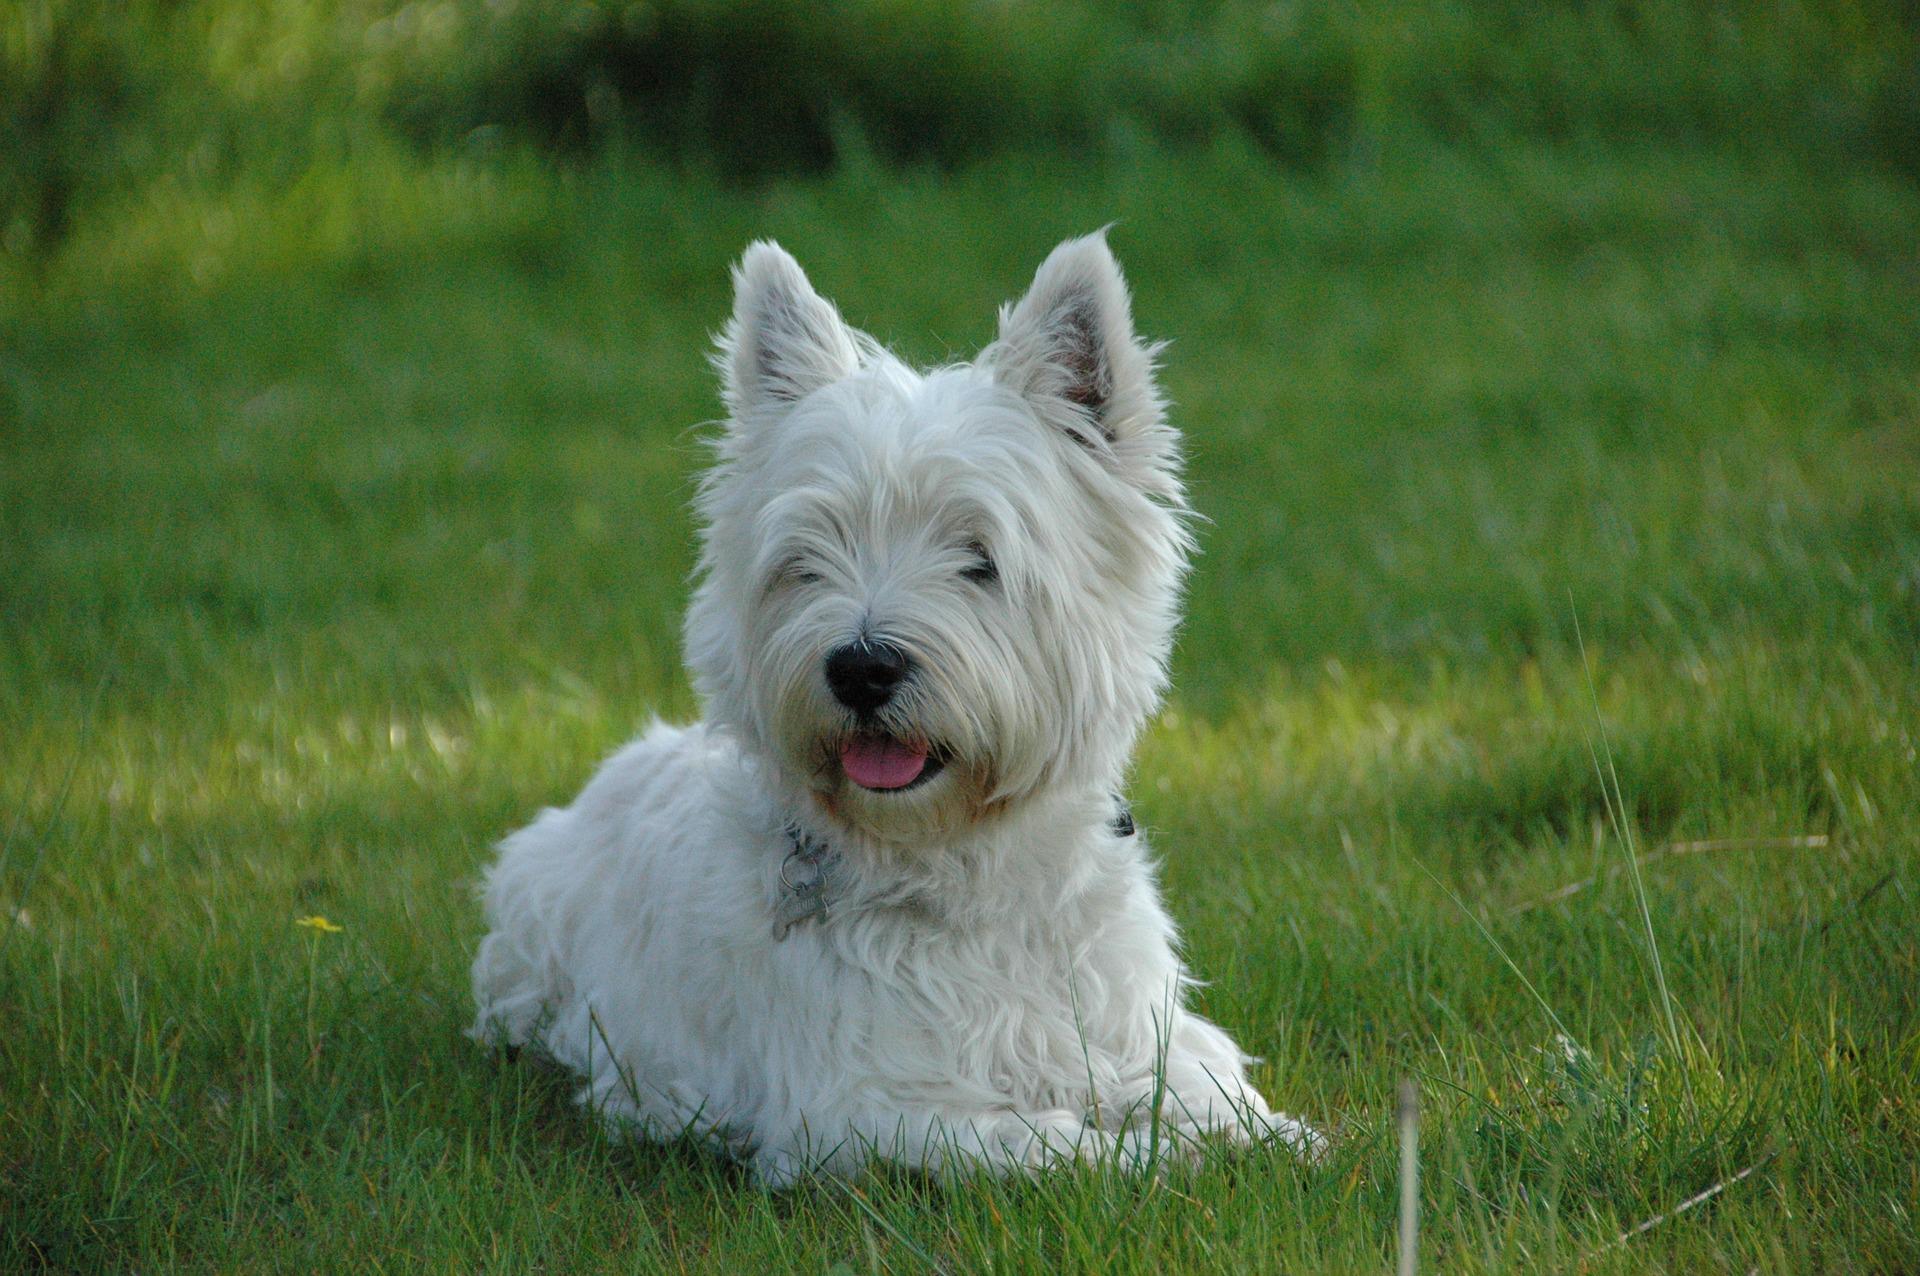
[995,978]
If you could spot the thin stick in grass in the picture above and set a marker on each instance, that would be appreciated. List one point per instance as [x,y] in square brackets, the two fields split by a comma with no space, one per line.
[1409,1177]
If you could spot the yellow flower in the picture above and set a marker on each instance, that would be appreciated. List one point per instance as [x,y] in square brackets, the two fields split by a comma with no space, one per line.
[319,923]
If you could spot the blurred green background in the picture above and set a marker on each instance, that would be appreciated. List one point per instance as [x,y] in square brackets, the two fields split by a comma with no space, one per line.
[1551,383]
[107,105]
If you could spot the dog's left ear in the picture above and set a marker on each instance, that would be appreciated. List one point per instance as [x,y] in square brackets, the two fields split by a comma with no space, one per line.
[1069,347]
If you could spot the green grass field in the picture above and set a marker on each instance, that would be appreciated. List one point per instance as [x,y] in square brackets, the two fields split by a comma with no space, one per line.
[343,525]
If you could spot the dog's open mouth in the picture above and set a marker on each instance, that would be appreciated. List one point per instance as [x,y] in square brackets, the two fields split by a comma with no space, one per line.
[887,763]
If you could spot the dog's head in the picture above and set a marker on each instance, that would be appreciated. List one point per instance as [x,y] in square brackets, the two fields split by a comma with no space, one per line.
[925,598]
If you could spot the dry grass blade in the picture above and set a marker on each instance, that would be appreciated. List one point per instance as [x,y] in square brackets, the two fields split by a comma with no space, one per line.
[1698,1199]
[1809,842]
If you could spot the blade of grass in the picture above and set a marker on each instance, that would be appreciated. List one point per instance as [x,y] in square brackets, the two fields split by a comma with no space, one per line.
[1617,813]
[900,1238]
[1499,948]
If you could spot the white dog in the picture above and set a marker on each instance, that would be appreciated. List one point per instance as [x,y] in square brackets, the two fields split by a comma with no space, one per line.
[883,900]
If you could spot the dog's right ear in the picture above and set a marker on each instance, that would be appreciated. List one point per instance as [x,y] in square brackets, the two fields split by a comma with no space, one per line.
[784,340]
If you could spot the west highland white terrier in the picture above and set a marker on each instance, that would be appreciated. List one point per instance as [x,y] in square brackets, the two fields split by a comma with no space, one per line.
[883,901]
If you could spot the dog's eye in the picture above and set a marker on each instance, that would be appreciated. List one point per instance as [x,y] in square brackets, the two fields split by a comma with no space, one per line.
[794,571]
[982,571]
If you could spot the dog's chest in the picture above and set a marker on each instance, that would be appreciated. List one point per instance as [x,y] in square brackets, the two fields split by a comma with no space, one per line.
[1033,1015]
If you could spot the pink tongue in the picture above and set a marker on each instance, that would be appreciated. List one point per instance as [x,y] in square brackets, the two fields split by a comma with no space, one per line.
[881,762]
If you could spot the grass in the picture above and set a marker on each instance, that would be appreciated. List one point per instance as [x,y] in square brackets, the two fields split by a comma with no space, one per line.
[345,525]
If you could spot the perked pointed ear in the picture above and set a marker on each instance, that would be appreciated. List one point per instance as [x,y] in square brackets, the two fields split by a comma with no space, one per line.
[784,340]
[1069,346]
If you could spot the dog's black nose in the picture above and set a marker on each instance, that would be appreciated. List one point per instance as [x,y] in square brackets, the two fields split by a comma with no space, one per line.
[864,673]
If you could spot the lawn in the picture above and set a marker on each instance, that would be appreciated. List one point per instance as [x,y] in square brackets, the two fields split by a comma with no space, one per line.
[1563,503]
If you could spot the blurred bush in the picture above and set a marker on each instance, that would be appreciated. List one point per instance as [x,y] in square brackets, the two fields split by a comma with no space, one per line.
[97,95]
[770,85]
[99,98]
[762,86]
[76,94]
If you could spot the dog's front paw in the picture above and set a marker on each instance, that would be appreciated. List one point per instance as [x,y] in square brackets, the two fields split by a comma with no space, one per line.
[1146,1144]
[777,1170]
[1303,1140]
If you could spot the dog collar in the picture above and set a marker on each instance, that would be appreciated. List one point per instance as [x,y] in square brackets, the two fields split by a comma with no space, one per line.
[803,881]
[810,862]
